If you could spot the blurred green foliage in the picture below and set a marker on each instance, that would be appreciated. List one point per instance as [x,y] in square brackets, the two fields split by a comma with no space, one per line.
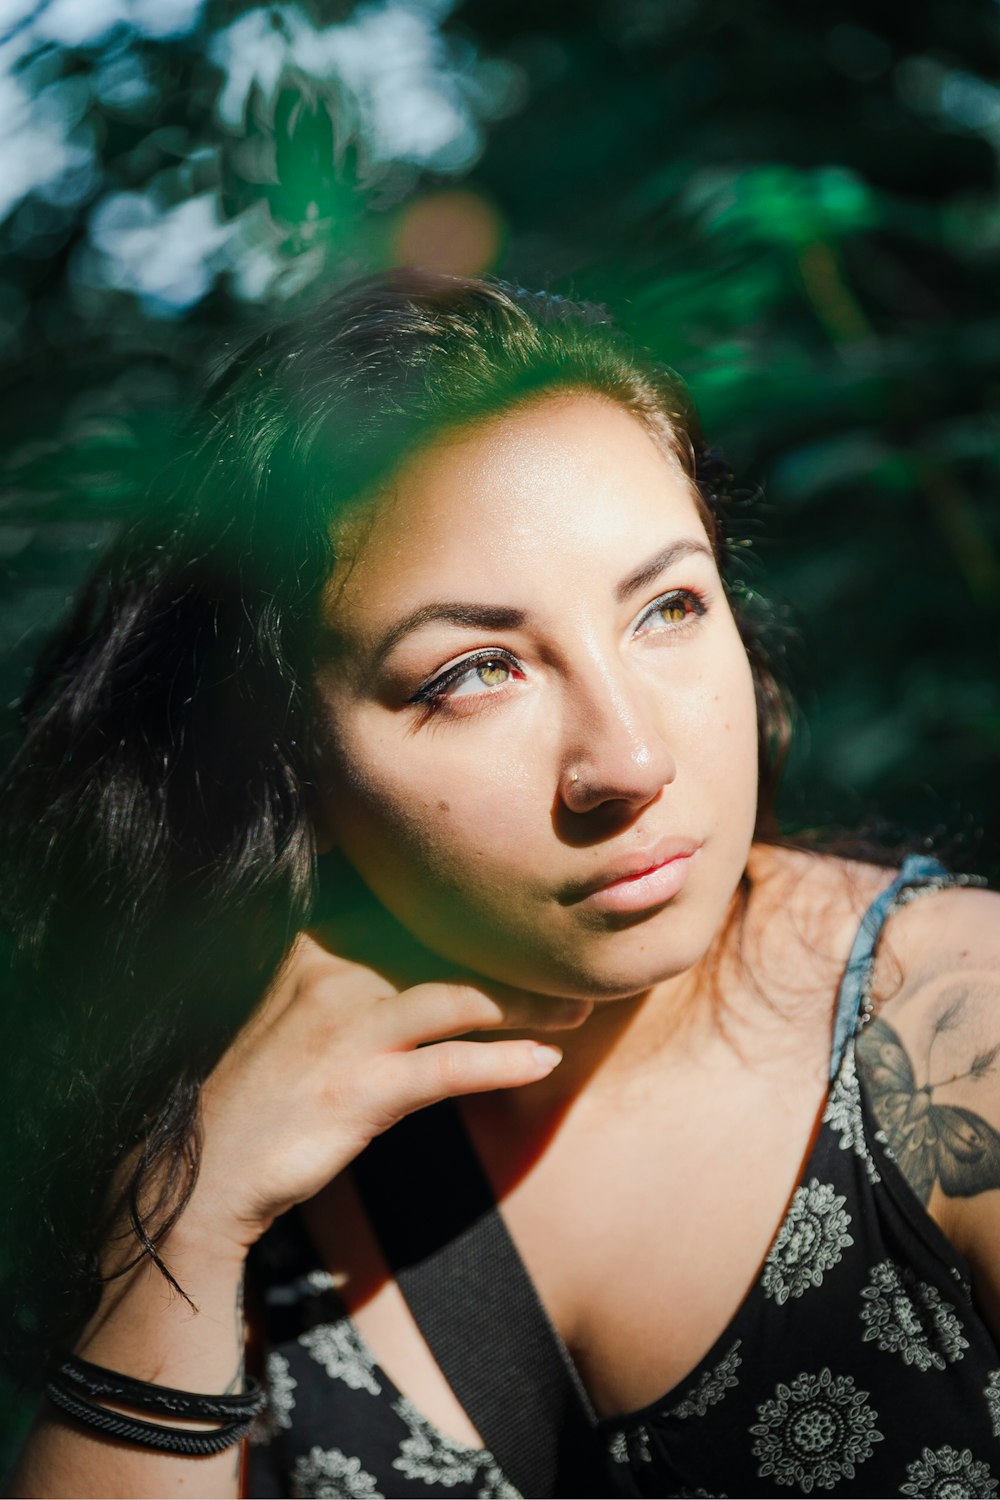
[798,209]
[796,206]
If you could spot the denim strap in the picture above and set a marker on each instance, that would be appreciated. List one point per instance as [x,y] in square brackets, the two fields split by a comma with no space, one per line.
[917,871]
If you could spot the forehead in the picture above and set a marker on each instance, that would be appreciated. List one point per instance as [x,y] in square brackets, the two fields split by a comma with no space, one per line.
[568,481]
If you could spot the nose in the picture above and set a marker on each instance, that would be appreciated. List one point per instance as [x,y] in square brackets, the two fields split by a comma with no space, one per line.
[616,753]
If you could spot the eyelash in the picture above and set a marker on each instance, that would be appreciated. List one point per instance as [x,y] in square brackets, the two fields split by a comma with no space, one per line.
[692,597]
[432,695]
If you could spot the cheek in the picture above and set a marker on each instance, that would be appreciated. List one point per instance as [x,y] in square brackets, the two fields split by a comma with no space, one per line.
[738,714]
[719,718]
[738,710]
[403,815]
[722,743]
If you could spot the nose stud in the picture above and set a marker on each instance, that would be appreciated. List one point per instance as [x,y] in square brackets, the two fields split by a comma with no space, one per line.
[573,777]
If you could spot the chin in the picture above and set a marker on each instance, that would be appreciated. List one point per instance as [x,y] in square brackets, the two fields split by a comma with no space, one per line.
[607,958]
[608,976]
[626,986]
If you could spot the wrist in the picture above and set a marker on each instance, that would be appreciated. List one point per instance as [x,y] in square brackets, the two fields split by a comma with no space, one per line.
[197,1240]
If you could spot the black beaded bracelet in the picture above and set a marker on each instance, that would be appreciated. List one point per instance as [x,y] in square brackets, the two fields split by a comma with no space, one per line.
[95,1380]
[146,1434]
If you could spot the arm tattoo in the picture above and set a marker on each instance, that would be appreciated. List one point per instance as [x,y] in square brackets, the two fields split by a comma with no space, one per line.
[931,1142]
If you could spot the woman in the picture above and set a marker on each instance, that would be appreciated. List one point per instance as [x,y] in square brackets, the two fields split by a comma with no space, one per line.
[423,710]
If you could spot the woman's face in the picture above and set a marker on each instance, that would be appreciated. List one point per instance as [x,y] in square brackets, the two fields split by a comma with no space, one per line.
[542,738]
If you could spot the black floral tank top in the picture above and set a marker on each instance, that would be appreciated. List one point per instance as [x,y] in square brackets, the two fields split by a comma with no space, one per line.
[857,1365]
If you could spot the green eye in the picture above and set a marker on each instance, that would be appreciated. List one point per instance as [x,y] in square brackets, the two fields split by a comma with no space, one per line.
[680,607]
[466,678]
[673,612]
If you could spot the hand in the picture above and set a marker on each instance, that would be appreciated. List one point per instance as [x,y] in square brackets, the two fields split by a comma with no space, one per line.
[336,1053]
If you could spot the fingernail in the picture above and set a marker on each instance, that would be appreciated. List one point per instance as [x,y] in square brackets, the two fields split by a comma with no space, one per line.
[546,1057]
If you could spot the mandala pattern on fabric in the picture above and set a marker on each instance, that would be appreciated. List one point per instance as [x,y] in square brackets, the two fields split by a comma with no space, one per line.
[431,1456]
[318,1280]
[496,1487]
[947,1472]
[883,1141]
[992,1394]
[811,1242]
[277,1414]
[312,1284]
[845,1118]
[910,1318]
[338,1349]
[618,1447]
[697,1495]
[328,1474]
[712,1386]
[631,1446]
[814,1431]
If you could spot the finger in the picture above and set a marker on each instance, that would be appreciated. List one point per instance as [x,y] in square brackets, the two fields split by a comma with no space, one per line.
[449,1069]
[432,1012]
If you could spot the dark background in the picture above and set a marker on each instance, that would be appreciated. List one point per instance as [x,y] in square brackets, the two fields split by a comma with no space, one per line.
[796,206]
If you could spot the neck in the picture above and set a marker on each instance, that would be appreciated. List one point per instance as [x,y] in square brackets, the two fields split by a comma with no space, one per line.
[621,1040]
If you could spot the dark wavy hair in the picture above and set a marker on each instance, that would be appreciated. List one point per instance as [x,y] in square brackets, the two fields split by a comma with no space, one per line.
[159,855]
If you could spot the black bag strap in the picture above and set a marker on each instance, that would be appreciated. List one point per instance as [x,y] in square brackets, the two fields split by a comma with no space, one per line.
[432,1210]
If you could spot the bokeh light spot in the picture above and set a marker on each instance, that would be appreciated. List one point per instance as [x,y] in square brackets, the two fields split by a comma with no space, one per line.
[457,232]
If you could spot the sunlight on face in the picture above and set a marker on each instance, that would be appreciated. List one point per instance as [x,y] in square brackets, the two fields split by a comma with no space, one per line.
[541,717]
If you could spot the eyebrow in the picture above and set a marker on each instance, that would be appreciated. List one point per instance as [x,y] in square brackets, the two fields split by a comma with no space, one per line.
[648,572]
[505,617]
[482,616]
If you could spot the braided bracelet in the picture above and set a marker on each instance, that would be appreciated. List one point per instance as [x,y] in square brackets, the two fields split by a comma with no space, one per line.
[146,1434]
[95,1380]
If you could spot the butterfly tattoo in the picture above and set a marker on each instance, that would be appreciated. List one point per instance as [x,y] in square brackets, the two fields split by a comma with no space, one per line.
[931,1142]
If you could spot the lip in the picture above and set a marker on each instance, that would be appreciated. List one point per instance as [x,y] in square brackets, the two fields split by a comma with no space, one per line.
[644,878]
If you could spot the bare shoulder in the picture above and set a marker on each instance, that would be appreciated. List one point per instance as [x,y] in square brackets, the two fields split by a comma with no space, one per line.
[941,953]
[824,897]
[951,916]
[929,1061]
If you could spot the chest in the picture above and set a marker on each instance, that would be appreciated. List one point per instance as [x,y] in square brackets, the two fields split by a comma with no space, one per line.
[642,1227]
[644,1230]
[856,1357]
